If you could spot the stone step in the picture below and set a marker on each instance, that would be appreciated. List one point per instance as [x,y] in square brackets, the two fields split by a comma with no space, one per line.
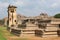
[30,28]
[31,25]
[52,25]
[27,35]
[51,33]
[51,29]
[55,22]
[28,32]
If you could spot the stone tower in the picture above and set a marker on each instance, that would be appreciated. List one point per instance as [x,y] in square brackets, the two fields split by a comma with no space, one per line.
[12,16]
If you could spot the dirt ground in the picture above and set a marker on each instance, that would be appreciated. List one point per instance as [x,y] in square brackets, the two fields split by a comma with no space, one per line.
[33,38]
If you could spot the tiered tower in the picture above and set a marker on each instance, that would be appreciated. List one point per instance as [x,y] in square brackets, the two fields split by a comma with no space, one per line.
[12,16]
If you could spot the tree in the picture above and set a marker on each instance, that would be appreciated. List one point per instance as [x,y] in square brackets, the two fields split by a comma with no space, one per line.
[57,15]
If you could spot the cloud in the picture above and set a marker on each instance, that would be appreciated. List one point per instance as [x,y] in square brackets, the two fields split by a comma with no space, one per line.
[5,4]
[18,3]
[54,5]
[31,7]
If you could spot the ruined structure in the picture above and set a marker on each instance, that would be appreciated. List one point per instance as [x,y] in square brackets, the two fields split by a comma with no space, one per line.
[12,16]
[42,25]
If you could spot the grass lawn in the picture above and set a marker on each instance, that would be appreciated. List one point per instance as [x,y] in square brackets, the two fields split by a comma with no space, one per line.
[4,33]
[2,37]
[1,33]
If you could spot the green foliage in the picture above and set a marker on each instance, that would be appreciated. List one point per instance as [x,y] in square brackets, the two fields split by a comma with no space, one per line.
[57,15]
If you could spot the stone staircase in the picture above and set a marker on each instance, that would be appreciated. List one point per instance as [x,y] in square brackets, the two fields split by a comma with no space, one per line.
[51,30]
[29,31]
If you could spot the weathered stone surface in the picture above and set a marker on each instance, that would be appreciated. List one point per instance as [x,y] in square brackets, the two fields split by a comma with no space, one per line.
[49,27]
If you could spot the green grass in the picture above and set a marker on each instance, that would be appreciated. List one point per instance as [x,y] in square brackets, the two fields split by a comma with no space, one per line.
[4,34]
[1,33]
[2,37]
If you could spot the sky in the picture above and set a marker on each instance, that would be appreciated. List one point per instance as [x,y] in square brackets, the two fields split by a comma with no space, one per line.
[30,7]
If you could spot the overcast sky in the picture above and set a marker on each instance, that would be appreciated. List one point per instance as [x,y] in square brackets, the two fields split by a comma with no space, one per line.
[31,7]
